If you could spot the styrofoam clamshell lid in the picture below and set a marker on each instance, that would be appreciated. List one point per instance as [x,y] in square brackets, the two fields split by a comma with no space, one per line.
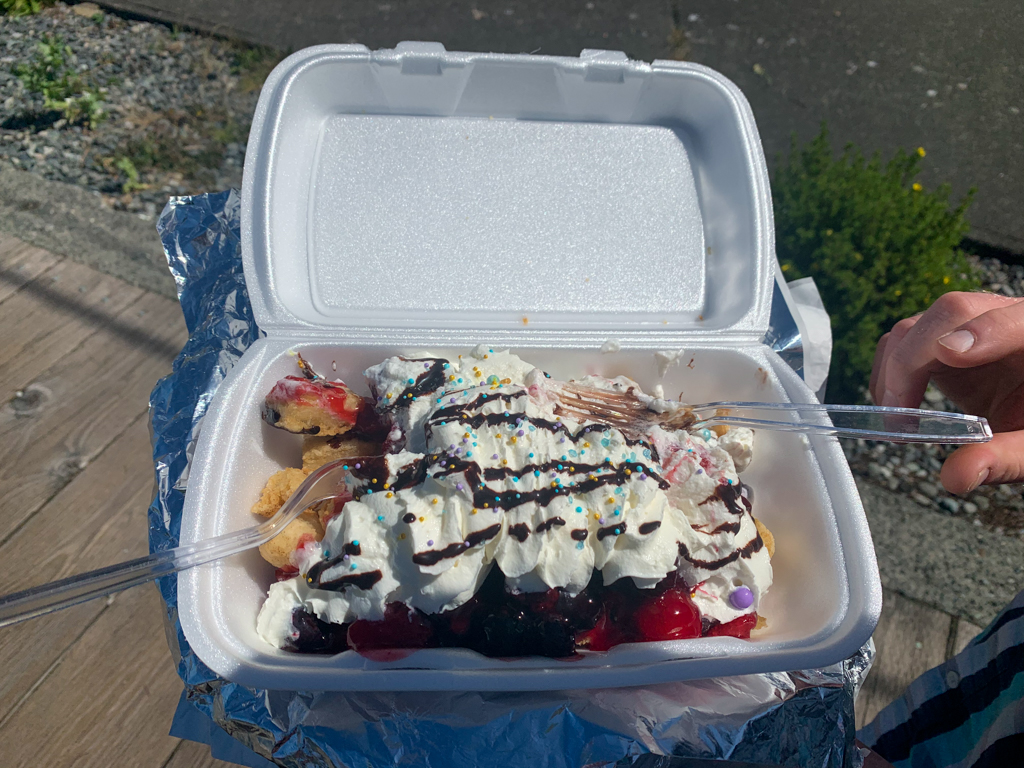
[420,193]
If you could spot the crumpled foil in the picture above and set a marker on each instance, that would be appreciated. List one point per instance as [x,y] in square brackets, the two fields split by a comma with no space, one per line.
[800,718]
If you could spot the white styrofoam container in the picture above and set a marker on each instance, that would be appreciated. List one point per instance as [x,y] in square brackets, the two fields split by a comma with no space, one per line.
[410,199]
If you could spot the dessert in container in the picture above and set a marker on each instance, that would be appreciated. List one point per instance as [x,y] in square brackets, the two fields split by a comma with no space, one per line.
[418,200]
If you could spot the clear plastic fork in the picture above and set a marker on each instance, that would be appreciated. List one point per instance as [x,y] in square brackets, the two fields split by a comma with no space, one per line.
[322,484]
[909,425]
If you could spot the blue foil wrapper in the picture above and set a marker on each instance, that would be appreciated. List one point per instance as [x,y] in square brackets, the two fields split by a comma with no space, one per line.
[800,718]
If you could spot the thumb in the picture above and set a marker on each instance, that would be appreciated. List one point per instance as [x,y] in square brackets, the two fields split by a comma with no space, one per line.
[1001,460]
[988,337]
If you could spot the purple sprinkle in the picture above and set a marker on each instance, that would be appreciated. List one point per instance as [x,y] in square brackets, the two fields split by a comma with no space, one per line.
[357,466]
[451,400]
[467,543]
[699,471]
[465,439]
[458,486]
[344,557]
[430,542]
[495,510]
[601,521]
[494,456]
[643,476]
[458,451]
[426,365]
[562,440]
[741,598]
[520,433]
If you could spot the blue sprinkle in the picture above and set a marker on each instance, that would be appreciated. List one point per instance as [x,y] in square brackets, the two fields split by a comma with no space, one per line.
[533,428]
[380,518]
[618,512]
[327,553]
[518,496]
[572,453]
[579,545]
[439,399]
[536,473]
[579,509]
[352,567]
[344,466]
[369,490]
[469,453]
[491,351]
[412,381]
[446,365]
[515,479]
[582,452]
[531,455]
[563,459]
[728,481]
[647,454]
[459,381]
[559,466]
[606,442]
[355,543]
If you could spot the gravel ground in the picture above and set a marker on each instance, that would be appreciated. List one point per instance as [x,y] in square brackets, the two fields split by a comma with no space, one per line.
[178,107]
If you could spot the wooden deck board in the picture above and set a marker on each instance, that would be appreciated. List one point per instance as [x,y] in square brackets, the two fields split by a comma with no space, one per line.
[21,263]
[108,701]
[192,755]
[52,315]
[98,519]
[965,632]
[910,639]
[80,404]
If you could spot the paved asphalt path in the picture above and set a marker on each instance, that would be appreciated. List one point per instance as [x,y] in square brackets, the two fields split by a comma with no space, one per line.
[944,75]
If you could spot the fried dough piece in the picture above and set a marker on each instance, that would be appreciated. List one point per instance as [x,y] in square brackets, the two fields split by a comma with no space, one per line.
[317,451]
[766,537]
[279,488]
[279,549]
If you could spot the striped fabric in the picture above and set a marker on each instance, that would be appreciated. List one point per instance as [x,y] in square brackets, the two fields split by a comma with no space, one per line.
[966,713]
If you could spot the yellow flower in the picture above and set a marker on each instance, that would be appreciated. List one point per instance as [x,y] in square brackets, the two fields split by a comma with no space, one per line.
[917,187]
[945,280]
[898,292]
[828,232]
[921,152]
[785,267]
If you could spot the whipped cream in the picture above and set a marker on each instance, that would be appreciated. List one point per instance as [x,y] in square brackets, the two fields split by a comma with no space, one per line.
[488,471]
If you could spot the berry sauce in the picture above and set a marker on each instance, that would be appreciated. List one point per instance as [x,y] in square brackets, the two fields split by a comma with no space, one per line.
[499,623]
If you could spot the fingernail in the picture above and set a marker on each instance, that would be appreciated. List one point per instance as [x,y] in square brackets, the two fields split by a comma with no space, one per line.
[982,477]
[889,400]
[958,341]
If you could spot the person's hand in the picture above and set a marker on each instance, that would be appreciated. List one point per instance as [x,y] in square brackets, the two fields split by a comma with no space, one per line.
[971,345]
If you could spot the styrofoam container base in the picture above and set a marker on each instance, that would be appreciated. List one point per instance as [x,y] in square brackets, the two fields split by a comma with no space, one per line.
[822,606]
[417,199]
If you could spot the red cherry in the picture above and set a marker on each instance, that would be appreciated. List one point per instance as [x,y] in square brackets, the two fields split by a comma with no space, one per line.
[400,628]
[669,616]
[740,627]
[602,636]
[285,572]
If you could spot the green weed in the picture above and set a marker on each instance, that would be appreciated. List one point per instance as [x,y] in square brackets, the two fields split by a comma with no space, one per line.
[51,74]
[23,7]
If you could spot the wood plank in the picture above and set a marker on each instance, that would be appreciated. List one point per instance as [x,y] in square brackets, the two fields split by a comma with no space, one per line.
[189,754]
[910,639]
[98,519]
[81,403]
[108,701]
[21,263]
[965,632]
[52,315]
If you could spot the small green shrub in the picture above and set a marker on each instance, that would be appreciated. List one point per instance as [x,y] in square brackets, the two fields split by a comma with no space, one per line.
[23,7]
[51,74]
[879,247]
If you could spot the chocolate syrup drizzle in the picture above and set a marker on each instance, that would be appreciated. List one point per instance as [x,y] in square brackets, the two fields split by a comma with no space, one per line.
[650,527]
[434,556]
[547,525]
[746,551]
[314,577]
[431,380]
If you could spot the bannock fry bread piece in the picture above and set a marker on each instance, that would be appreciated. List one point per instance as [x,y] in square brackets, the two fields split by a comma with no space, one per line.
[766,537]
[279,488]
[312,405]
[317,450]
[278,550]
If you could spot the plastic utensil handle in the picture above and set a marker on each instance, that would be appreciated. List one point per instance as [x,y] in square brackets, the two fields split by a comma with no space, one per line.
[37,601]
[861,421]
